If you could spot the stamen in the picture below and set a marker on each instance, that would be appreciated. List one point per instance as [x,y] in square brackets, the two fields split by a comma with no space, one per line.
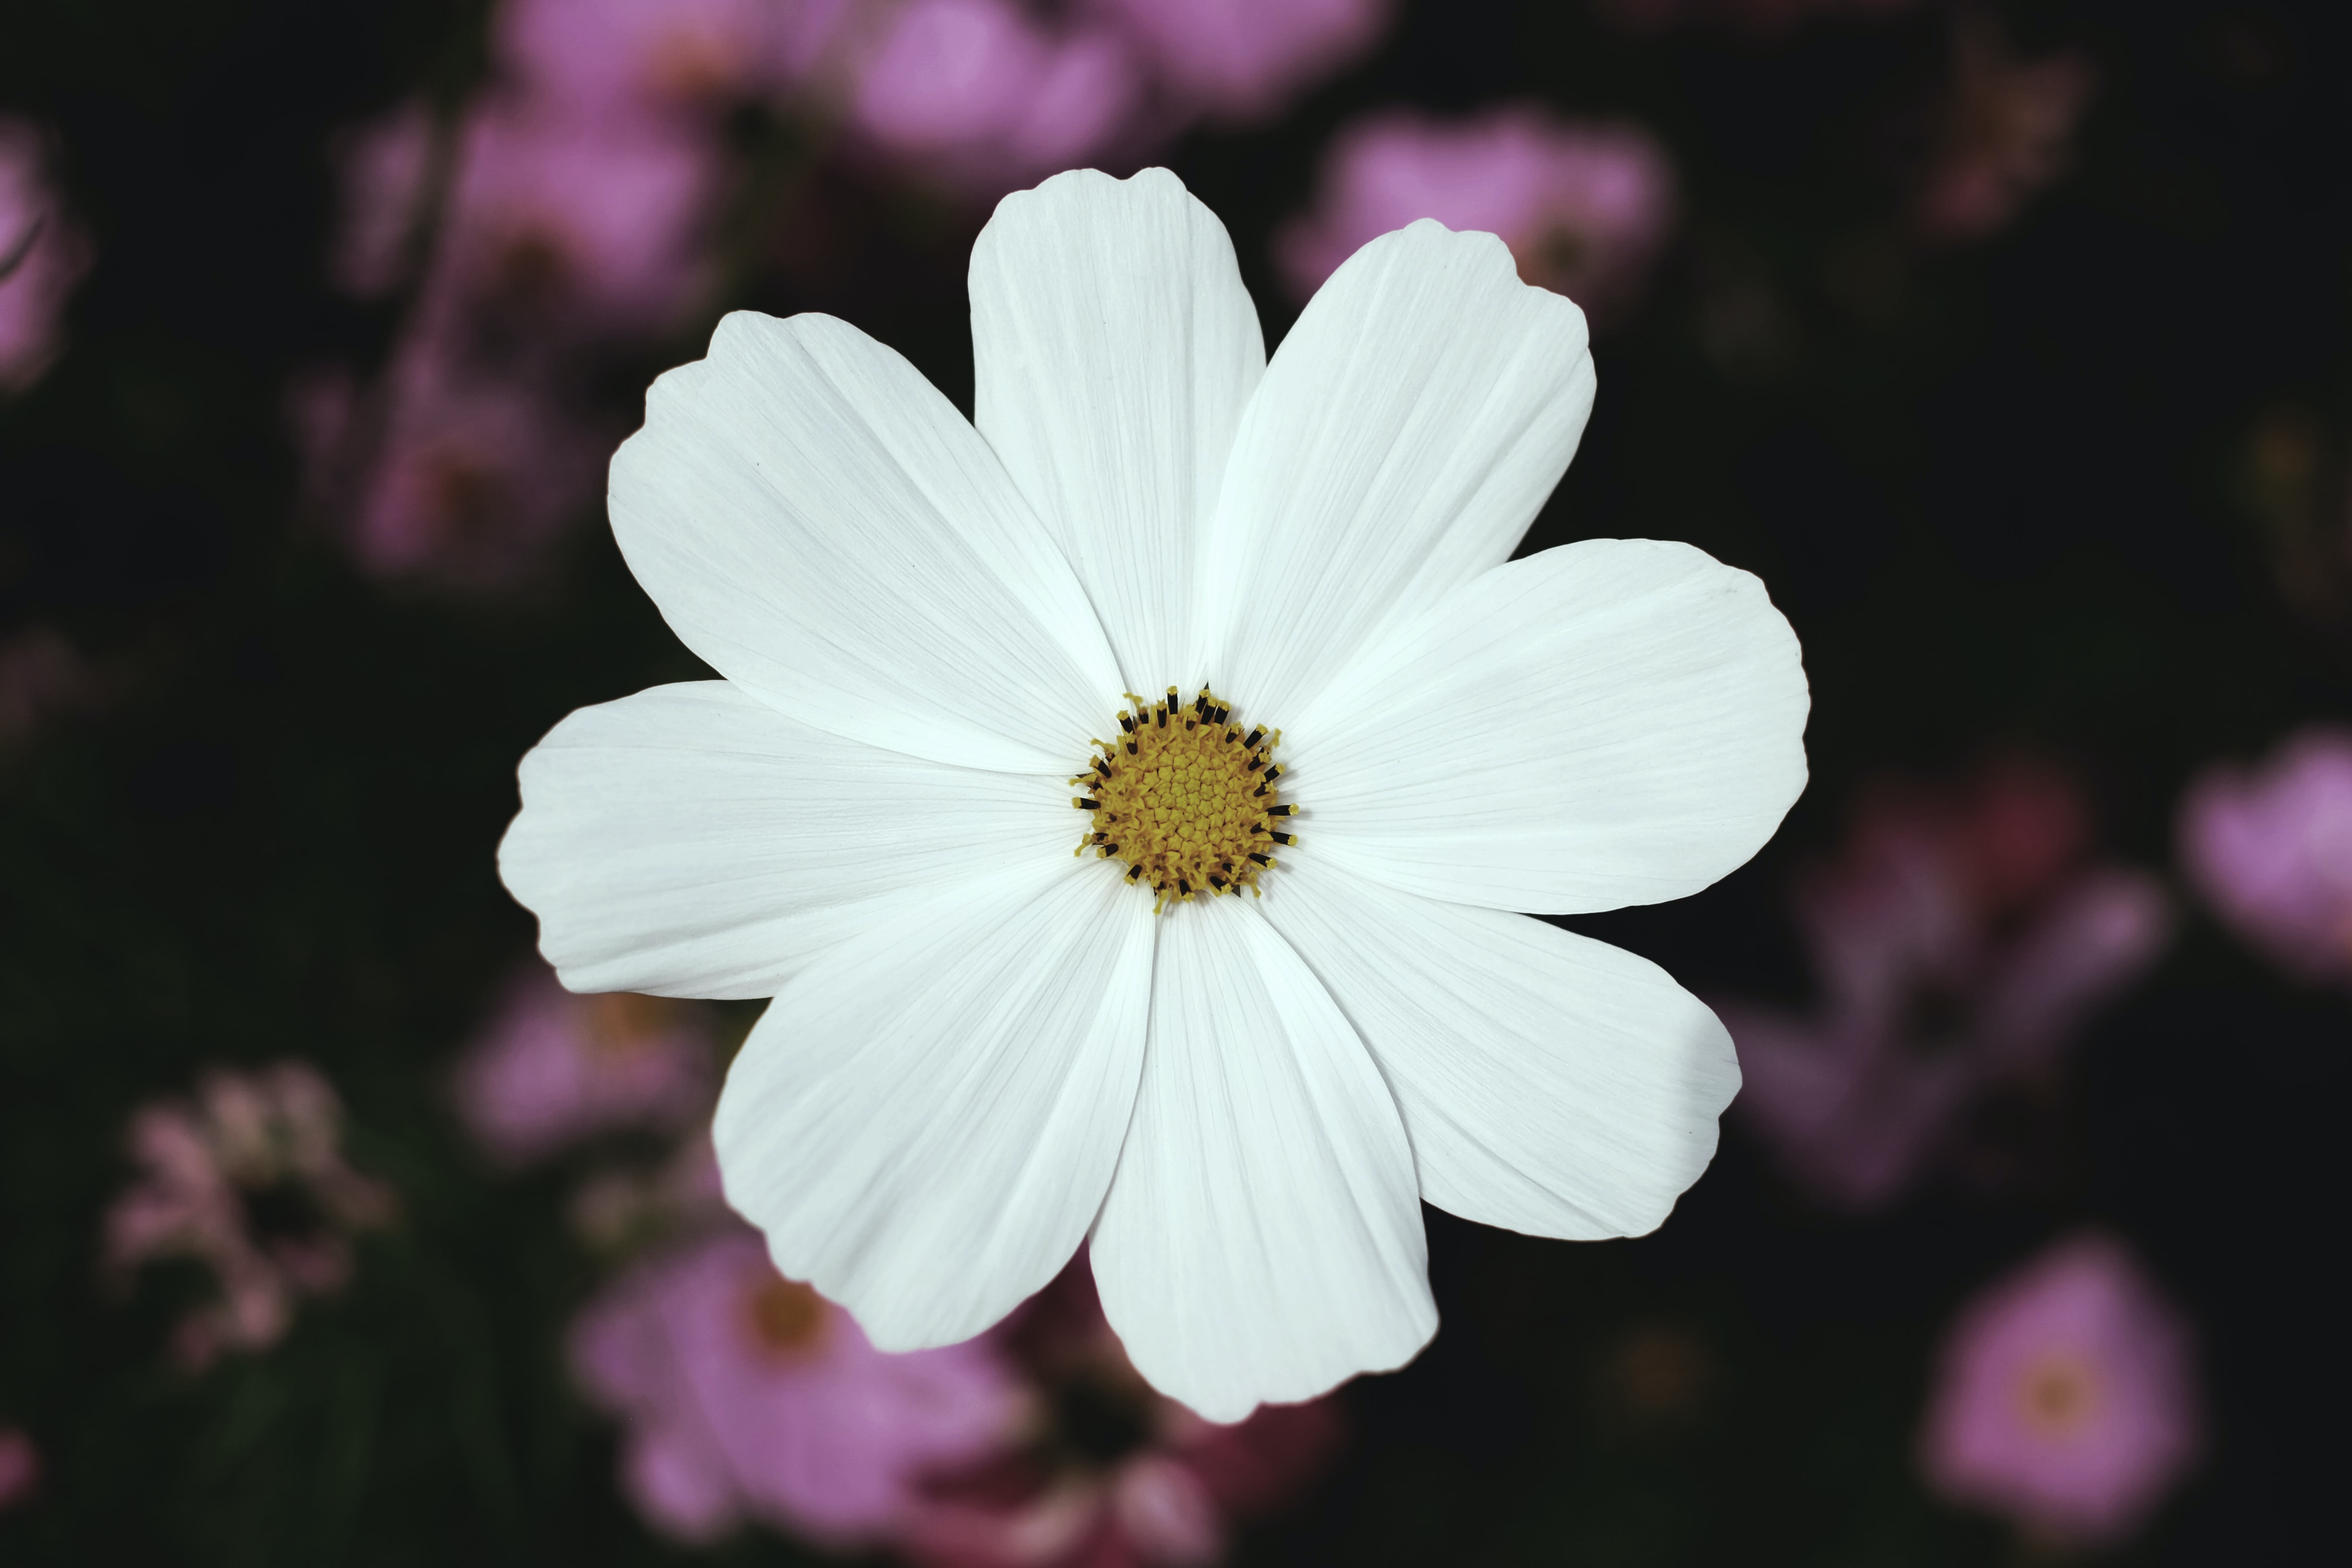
[1190,813]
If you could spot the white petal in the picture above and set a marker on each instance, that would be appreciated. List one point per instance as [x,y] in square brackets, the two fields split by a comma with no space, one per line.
[1619,721]
[1113,347]
[1261,1241]
[1550,1084]
[821,525]
[924,1123]
[1403,438]
[691,841]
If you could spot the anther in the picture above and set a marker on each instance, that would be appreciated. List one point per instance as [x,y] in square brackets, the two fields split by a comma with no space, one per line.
[1255,737]
[1284,838]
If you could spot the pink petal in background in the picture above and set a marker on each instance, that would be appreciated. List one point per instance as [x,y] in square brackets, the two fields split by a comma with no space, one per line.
[1240,59]
[1961,941]
[20,1467]
[43,254]
[1584,207]
[2270,848]
[551,1067]
[2065,1397]
[749,1396]
[981,96]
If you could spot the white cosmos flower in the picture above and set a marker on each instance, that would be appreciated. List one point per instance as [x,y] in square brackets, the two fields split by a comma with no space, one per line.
[984,1050]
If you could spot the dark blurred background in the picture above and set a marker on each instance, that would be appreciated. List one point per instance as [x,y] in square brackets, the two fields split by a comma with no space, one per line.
[2007,344]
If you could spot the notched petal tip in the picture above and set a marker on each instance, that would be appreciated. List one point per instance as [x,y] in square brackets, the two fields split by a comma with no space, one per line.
[1081,189]
[1480,257]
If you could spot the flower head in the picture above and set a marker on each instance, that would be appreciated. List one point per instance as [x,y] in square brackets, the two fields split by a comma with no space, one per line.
[1960,940]
[985,1049]
[1583,207]
[2270,848]
[750,1397]
[248,1180]
[2065,1398]
[43,254]
[552,1067]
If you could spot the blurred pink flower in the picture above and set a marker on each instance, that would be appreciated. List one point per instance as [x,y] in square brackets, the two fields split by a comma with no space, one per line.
[384,170]
[1583,207]
[600,56]
[980,95]
[20,1467]
[1112,1475]
[1959,943]
[553,1068]
[1762,18]
[2066,1399]
[463,481]
[2008,131]
[559,223]
[2271,849]
[269,1138]
[748,1395]
[43,254]
[42,677]
[1240,59]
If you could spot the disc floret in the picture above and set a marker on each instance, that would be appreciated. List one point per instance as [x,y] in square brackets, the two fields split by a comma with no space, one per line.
[1186,799]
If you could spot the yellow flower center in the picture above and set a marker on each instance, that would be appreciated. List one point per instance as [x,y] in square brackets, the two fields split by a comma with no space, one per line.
[2058,1395]
[1185,798]
[622,1024]
[786,1319]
